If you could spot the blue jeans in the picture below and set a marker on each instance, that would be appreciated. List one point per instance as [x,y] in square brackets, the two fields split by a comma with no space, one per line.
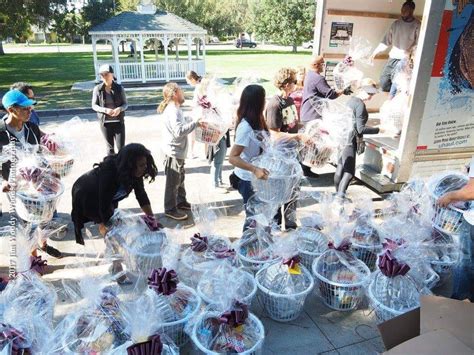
[463,274]
[246,190]
[218,162]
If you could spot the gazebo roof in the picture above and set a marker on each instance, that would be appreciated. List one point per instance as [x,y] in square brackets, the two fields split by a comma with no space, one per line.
[161,21]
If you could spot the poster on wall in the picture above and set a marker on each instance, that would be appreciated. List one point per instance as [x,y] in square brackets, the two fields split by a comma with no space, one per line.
[341,33]
[448,120]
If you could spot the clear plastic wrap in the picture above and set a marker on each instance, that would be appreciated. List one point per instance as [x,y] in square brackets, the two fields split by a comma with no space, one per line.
[215,286]
[280,159]
[392,291]
[345,73]
[393,112]
[132,238]
[443,251]
[57,152]
[310,243]
[37,189]
[320,148]
[172,303]
[366,242]
[449,218]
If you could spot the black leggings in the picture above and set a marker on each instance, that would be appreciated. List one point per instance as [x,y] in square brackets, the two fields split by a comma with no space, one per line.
[345,169]
[113,132]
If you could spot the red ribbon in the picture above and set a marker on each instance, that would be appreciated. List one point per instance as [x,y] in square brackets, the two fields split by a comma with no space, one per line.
[49,143]
[391,244]
[236,317]
[198,243]
[348,61]
[152,223]
[344,246]
[153,346]
[163,281]
[390,267]
[292,262]
[30,174]
[38,265]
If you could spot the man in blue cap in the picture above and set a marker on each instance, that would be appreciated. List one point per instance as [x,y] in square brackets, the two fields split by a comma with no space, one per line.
[15,127]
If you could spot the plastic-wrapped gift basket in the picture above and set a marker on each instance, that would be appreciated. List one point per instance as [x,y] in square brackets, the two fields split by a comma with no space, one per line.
[213,126]
[204,253]
[319,149]
[173,303]
[443,251]
[235,331]
[340,277]
[366,243]
[216,284]
[283,288]
[38,191]
[139,245]
[57,154]
[450,218]
[392,112]
[311,243]
[392,291]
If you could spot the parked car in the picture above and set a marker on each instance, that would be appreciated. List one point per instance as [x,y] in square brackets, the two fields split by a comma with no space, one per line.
[308,45]
[214,40]
[243,42]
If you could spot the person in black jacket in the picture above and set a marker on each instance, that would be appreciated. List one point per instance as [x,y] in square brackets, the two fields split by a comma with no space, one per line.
[15,128]
[110,103]
[347,161]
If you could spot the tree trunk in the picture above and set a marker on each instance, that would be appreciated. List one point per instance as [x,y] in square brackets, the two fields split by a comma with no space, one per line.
[294,48]
[1,48]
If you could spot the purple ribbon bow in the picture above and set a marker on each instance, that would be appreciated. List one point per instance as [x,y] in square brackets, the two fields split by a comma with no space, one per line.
[391,244]
[292,262]
[38,265]
[152,223]
[153,346]
[163,281]
[198,243]
[10,335]
[30,174]
[224,253]
[390,267]
[236,317]
[344,246]
[348,61]
[204,102]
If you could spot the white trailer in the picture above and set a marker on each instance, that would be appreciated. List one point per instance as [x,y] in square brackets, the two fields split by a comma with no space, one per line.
[438,128]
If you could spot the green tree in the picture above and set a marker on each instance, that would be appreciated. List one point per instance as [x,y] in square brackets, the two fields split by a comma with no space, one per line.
[69,24]
[98,11]
[16,17]
[285,22]
[128,5]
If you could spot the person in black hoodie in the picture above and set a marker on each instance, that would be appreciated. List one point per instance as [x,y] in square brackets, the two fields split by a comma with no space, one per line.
[347,160]
[110,103]
[16,128]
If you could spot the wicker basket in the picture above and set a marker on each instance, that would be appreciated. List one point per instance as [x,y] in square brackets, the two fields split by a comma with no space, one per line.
[280,306]
[284,177]
[210,133]
[311,243]
[380,301]
[247,288]
[198,334]
[344,294]
[143,254]
[38,209]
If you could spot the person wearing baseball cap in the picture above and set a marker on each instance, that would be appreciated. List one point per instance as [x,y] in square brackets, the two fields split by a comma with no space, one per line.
[16,127]
[347,160]
[110,103]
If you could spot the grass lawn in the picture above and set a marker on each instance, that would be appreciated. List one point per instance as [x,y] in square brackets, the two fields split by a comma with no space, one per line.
[53,74]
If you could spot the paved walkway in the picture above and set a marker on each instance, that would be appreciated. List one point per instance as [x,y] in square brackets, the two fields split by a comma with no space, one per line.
[318,330]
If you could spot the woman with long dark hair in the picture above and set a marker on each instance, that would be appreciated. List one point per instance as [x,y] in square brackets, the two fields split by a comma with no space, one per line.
[96,194]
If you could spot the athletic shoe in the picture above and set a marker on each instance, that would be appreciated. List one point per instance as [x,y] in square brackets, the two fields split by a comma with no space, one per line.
[176,215]
[48,249]
[184,206]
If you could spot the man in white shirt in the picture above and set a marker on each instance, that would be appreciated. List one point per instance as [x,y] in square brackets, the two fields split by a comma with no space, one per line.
[402,37]
[463,285]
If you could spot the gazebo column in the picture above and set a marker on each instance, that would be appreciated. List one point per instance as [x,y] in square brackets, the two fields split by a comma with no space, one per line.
[94,51]
[155,43]
[197,49]
[115,49]
[176,43]
[190,53]
[167,67]
[142,59]
[204,55]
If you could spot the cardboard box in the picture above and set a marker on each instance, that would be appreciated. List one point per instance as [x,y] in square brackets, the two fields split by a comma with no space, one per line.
[440,326]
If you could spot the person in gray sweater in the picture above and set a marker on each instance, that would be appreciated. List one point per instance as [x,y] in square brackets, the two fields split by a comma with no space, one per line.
[347,160]
[175,147]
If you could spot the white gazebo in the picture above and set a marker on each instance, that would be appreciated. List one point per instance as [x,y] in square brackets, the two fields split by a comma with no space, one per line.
[156,30]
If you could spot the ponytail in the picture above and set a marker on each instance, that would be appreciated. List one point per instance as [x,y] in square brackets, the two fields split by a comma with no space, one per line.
[169,90]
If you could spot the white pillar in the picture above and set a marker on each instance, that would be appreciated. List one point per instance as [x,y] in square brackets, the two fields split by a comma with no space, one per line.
[167,68]
[176,48]
[155,44]
[94,51]
[197,49]
[204,55]
[190,53]
[115,48]
[142,59]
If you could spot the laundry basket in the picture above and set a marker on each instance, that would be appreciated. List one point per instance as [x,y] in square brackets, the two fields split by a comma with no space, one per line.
[444,254]
[143,253]
[37,208]
[60,164]
[254,250]
[365,244]
[210,133]
[317,153]
[281,293]
[310,243]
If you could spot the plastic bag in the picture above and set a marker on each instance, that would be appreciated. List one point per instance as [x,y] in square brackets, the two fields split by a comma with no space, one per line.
[393,112]
[320,148]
